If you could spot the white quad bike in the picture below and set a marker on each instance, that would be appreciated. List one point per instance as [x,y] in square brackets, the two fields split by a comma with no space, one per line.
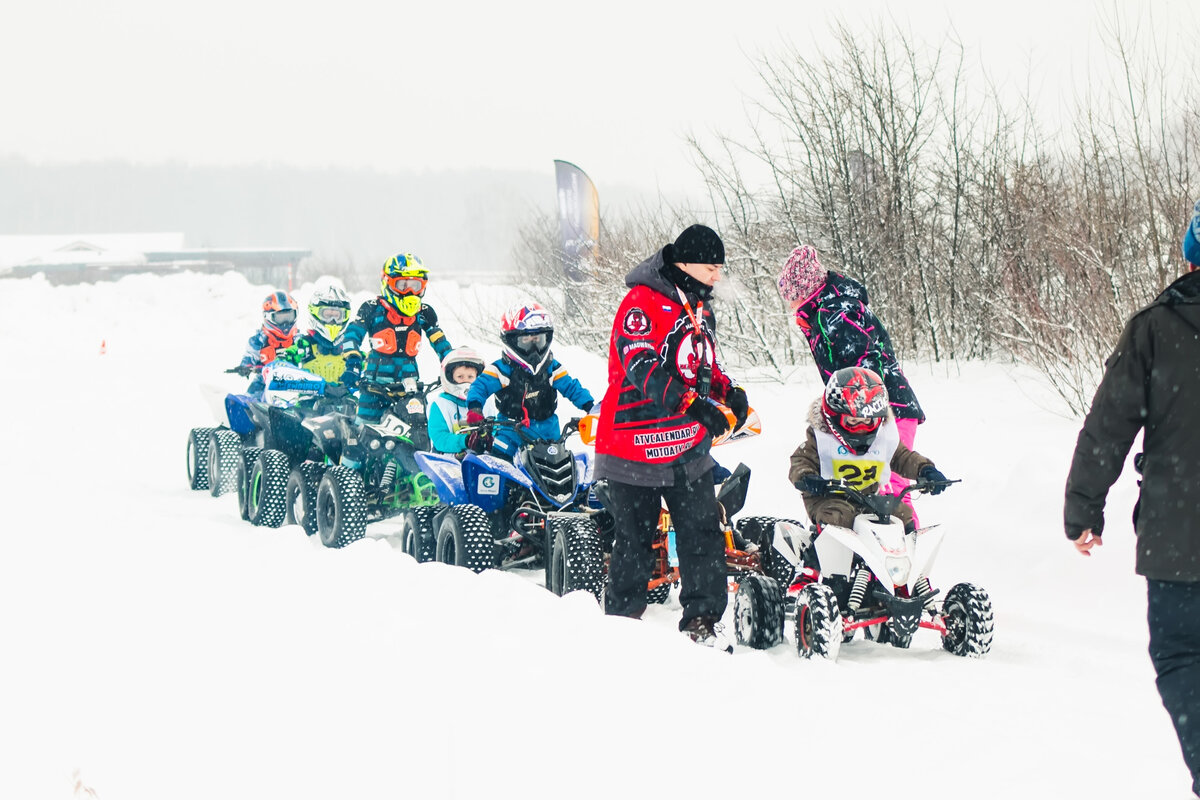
[873,576]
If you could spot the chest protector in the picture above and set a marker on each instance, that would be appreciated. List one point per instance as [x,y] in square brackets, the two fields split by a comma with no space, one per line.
[860,471]
[527,393]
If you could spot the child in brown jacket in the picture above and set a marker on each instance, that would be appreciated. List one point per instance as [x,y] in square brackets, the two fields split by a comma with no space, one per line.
[852,437]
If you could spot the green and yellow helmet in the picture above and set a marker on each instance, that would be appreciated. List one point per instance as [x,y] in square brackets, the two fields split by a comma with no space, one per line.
[404,280]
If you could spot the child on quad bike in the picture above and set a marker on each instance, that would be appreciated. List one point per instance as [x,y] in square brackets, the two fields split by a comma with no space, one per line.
[395,322]
[322,349]
[277,333]
[448,411]
[526,381]
[852,437]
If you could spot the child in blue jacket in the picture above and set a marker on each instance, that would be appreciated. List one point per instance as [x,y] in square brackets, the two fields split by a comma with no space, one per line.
[448,410]
[526,381]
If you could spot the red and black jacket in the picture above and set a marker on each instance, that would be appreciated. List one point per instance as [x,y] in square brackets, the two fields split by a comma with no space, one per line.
[661,355]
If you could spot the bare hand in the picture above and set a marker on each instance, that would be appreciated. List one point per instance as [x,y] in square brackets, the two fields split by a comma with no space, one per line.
[1086,541]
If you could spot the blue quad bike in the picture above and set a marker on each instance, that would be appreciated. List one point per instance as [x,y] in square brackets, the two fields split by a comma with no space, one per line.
[260,441]
[536,512]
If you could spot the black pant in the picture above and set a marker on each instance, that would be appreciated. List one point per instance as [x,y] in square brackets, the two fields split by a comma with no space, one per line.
[1174,616]
[698,542]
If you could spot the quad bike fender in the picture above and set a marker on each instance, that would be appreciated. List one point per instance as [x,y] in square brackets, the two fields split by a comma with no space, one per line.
[486,478]
[926,543]
[237,410]
[835,548]
[583,468]
[447,475]
[873,542]
[790,541]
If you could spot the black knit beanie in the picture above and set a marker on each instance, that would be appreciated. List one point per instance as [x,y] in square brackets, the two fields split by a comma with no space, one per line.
[698,244]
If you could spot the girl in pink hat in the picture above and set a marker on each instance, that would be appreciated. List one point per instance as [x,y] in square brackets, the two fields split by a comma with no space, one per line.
[842,331]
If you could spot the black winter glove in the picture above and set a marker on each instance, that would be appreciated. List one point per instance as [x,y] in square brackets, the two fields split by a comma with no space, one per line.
[587,407]
[709,416]
[735,398]
[933,475]
[811,483]
[479,440]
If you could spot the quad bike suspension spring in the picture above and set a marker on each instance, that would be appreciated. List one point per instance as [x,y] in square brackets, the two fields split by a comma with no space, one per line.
[922,587]
[859,590]
[389,475]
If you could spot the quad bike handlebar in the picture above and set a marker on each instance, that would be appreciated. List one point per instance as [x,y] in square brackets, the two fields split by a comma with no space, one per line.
[884,505]
[489,423]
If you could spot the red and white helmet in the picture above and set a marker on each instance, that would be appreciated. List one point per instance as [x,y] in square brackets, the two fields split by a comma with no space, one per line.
[855,405]
[527,330]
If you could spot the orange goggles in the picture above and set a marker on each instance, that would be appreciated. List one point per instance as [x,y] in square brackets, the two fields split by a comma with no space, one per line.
[402,285]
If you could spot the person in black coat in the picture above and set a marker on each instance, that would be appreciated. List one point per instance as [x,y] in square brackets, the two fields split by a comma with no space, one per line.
[1151,383]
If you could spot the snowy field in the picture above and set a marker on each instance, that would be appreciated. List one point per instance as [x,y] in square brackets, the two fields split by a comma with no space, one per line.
[155,646]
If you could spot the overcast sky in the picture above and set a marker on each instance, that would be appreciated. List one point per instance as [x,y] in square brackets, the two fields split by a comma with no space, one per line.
[613,86]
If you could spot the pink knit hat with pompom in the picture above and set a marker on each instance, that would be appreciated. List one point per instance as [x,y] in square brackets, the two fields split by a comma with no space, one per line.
[802,276]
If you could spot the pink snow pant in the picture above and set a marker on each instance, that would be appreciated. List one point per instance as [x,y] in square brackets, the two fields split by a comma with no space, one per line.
[908,433]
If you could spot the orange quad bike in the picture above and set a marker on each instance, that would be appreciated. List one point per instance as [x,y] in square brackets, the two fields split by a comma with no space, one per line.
[759,559]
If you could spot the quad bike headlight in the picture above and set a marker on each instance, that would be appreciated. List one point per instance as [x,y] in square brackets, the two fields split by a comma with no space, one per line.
[374,445]
[898,569]
[391,445]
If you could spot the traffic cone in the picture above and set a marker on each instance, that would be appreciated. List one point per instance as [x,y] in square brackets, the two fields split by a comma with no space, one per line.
[103,346]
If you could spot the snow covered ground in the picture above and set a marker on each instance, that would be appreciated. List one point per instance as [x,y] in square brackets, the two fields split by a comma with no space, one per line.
[155,646]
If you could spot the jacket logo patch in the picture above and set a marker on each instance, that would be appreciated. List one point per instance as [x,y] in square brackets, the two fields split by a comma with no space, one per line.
[636,322]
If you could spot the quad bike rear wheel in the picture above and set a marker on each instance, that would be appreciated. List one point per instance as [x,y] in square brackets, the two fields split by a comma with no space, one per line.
[300,496]
[197,458]
[761,531]
[464,538]
[224,451]
[967,614]
[758,612]
[268,484]
[341,507]
[576,561]
[818,622]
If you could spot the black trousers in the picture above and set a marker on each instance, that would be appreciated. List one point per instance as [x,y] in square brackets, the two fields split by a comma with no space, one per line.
[698,542]
[1174,617]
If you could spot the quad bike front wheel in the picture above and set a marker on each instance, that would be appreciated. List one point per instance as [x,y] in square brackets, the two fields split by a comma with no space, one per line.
[300,496]
[417,536]
[576,561]
[758,612]
[241,479]
[268,484]
[967,615]
[197,457]
[341,507]
[464,538]
[818,622]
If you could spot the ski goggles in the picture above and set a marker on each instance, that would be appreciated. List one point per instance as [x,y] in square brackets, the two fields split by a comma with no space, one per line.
[860,424]
[281,319]
[331,314]
[402,285]
[527,342]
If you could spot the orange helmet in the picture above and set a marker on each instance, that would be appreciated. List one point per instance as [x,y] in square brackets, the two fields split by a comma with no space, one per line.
[279,314]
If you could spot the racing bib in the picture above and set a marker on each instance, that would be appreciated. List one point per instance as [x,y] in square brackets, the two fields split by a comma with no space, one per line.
[859,474]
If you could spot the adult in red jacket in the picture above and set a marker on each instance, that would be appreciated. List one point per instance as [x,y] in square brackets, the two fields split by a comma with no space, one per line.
[656,428]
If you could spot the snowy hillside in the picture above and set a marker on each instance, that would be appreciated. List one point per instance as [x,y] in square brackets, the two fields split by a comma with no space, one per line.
[155,646]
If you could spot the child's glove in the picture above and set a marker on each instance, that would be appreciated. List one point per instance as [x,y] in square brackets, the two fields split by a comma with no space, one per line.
[479,440]
[475,418]
[933,475]
[708,415]
[735,398]
[811,483]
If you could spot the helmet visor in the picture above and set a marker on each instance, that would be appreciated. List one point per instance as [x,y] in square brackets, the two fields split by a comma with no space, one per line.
[402,285]
[282,319]
[333,315]
[531,342]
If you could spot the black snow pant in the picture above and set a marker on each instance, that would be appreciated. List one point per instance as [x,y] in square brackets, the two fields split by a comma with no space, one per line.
[1174,617]
[698,542]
